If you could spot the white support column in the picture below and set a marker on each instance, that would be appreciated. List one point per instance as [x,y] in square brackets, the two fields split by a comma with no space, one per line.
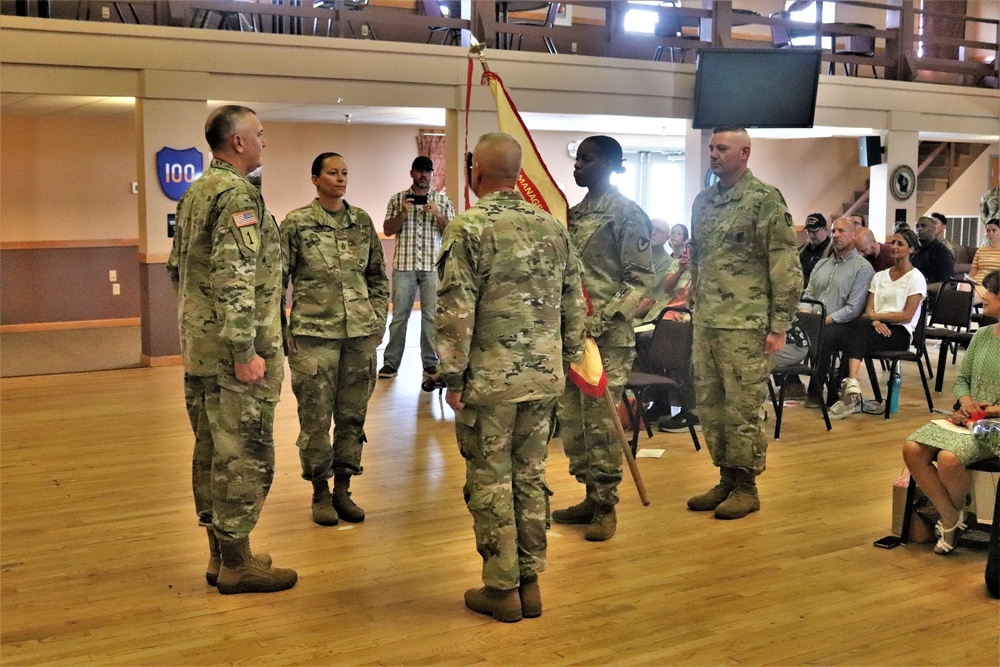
[696,166]
[901,148]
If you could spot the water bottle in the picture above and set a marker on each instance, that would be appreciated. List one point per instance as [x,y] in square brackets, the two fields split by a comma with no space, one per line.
[892,389]
[987,431]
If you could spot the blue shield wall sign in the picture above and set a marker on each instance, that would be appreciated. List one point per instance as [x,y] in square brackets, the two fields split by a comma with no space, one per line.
[178,169]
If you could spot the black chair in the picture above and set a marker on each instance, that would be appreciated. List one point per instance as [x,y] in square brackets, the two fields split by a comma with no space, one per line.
[991,465]
[670,24]
[550,20]
[952,313]
[951,343]
[661,368]
[813,324]
[916,353]
[432,8]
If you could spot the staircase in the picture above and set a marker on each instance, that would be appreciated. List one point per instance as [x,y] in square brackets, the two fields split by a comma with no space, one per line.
[940,165]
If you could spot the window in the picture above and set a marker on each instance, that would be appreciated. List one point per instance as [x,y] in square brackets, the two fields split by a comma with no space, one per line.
[642,20]
[654,179]
[808,15]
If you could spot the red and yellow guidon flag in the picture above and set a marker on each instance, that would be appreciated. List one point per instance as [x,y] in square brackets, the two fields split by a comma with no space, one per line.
[537,186]
[535,183]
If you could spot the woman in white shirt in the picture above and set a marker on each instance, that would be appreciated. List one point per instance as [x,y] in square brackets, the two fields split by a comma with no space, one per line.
[888,321]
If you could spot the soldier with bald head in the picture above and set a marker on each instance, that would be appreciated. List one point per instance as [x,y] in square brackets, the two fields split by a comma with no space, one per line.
[510,318]
[745,289]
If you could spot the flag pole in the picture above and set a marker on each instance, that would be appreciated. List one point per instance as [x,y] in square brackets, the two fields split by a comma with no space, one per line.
[626,448]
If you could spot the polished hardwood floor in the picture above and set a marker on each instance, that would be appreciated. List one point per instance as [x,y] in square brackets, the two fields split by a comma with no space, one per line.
[102,561]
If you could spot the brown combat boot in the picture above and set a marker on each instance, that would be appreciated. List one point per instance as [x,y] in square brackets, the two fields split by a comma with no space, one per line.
[342,502]
[712,498]
[241,572]
[322,504]
[531,597]
[604,524]
[580,514]
[504,606]
[215,558]
[743,500]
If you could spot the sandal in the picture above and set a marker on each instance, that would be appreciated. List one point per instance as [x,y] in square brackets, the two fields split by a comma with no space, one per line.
[948,537]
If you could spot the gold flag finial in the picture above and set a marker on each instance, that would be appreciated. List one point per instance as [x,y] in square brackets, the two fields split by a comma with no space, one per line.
[478,49]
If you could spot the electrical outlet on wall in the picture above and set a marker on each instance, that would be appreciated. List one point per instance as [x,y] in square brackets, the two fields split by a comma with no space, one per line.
[572,47]
[106,13]
[116,289]
[364,29]
[113,276]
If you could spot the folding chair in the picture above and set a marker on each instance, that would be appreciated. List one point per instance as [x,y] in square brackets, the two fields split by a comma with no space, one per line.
[952,314]
[813,324]
[663,368]
[916,353]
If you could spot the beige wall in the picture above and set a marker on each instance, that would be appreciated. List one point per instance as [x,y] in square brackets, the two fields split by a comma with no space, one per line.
[70,178]
[67,178]
[962,198]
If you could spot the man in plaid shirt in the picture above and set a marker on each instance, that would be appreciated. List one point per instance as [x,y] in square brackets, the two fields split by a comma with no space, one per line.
[417,217]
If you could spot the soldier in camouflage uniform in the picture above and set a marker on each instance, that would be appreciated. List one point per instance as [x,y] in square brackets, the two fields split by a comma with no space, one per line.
[745,289]
[225,266]
[510,316]
[611,234]
[340,300]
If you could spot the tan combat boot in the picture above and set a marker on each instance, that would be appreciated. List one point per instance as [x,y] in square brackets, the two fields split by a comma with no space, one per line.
[712,498]
[531,597]
[743,500]
[241,572]
[322,505]
[342,502]
[502,605]
[215,558]
[604,524]
[580,514]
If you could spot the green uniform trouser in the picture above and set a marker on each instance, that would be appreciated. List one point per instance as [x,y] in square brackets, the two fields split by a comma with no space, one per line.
[730,379]
[588,433]
[505,447]
[332,380]
[233,463]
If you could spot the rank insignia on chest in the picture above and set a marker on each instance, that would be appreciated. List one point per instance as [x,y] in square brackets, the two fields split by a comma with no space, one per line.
[342,246]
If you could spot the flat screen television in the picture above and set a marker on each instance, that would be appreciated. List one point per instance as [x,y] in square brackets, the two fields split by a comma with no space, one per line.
[756,87]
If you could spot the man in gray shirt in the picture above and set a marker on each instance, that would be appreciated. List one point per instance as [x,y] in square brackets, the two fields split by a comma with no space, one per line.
[841,283]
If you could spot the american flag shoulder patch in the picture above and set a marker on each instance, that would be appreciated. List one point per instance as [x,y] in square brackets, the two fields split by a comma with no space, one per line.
[245,218]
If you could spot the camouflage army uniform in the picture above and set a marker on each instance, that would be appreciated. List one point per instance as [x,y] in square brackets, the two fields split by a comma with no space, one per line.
[989,206]
[340,299]
[747,282]
[510,315]
[611,234]
[226,268]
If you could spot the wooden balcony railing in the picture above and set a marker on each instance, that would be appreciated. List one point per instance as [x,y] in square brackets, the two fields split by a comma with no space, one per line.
[895,53]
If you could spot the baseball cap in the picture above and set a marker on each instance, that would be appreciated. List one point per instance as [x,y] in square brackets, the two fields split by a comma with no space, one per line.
[815,221]
[422,163]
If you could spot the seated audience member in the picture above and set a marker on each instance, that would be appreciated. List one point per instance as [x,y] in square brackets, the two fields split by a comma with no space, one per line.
[662,262]
[940,229]
[841,283]
[932,259]
[977,387]
[877,254]
[987,259]
[888,322]
[672,284]
[818,245]
[858,220]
